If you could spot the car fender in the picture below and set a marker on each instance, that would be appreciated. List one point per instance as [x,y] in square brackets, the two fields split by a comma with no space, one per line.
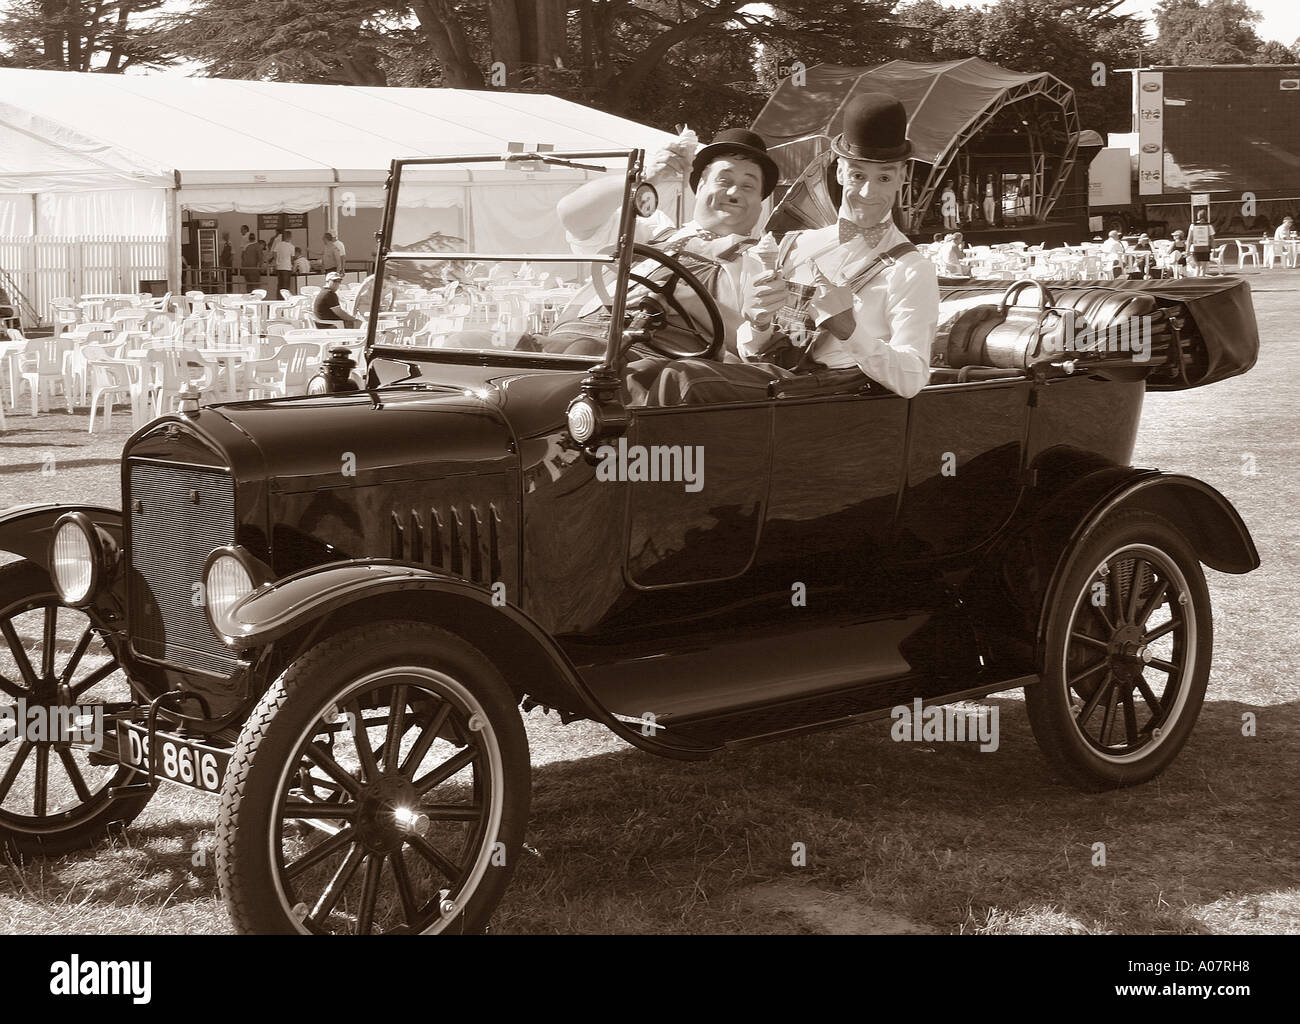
[276,609]
[1205,517]
[26,530]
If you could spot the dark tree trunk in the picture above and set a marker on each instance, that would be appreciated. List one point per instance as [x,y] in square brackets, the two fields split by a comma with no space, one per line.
[446,35]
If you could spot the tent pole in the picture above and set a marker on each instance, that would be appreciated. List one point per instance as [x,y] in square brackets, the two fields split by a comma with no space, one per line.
[174,242]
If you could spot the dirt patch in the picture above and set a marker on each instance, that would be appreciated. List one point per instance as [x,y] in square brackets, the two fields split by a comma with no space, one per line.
[828,913]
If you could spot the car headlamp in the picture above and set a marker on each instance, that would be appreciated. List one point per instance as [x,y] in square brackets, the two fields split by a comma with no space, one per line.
[80,554]
[584,420]
[226,583]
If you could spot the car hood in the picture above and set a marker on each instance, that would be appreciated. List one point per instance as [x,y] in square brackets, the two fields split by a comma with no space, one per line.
[468,421]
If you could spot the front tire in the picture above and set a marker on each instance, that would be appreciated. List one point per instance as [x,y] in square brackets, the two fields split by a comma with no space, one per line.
[56,795]
[1129,640]
[381,785]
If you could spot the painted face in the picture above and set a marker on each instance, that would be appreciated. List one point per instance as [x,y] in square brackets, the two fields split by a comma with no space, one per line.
[869,189]
[730,196]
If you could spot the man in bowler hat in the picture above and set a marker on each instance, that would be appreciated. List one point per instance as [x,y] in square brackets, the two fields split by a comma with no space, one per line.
[876,301]
[731,177]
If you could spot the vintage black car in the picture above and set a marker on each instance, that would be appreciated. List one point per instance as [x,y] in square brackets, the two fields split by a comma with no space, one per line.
[330,609]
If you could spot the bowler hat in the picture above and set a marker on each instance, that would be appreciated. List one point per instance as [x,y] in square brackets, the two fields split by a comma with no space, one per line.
[736,142]
[875,128]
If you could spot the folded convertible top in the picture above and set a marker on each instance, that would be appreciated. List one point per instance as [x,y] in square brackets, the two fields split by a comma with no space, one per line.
[1215,318]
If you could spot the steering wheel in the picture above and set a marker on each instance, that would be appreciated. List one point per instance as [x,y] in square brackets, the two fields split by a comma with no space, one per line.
[664,340]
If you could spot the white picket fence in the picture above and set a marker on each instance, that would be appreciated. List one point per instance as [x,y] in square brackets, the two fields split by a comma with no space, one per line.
[48,268]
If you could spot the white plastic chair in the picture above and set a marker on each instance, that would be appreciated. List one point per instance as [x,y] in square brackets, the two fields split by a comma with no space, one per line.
[113,380]
[285,373]
[41,366]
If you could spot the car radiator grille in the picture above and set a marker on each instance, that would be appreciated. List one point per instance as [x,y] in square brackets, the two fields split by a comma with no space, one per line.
[178,515]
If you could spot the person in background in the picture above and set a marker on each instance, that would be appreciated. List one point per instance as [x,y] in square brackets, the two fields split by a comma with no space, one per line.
[250,262]
[1285,231]
[1178,254]
[328,307]
[227,257]
[283,252]
[334,255]
[245,234]
[301,264]
[1116,254]
[1143,255]
[951,256]
[1200,239]
[948,207]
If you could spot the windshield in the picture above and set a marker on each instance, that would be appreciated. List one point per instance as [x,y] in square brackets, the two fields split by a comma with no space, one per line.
[480,261]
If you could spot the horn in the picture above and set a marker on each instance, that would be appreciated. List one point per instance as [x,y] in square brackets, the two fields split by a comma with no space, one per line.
[810,201]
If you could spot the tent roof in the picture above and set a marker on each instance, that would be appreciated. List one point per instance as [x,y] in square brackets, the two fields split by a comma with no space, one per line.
[69,130]
[941,100]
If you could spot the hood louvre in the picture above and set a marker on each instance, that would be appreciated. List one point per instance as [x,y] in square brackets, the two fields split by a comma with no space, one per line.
[463,543]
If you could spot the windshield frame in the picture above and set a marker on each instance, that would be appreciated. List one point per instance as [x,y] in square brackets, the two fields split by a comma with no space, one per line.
[621,259]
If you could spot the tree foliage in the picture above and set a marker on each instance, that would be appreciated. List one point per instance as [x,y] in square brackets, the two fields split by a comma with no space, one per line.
[1206,32]
[1070,40]
[71,35]
[659,61]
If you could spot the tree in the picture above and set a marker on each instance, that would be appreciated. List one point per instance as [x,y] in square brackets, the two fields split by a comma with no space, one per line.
[1205,32]
[660,61]
[1273,52]
[1068,39]
[69,35]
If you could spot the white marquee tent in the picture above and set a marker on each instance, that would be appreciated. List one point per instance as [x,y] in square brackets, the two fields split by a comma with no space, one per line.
[85,155]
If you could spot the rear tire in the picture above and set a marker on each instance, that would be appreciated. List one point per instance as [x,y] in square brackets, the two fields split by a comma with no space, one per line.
[1125,669]
[325,827]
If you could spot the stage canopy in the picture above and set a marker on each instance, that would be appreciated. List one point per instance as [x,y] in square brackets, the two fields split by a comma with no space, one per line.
[93,154]
[947,104]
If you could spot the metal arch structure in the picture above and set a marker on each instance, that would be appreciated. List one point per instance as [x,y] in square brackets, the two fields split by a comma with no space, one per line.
[949,104]
[1044,199]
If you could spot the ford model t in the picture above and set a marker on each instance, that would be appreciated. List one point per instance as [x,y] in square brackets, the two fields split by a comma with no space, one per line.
[329,609]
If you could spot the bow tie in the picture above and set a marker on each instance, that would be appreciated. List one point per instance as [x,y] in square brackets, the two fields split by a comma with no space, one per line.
[871,235]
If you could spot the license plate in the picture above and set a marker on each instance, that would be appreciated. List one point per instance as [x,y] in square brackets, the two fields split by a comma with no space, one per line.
[184,762]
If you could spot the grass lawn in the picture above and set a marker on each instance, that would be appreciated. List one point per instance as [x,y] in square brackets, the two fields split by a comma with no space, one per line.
[898,836]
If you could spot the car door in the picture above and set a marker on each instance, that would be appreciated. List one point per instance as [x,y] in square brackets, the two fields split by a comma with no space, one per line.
[696,485]
[965,455]
[837,464]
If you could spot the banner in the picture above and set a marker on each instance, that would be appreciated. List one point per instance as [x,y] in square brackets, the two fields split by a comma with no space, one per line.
[1151,148]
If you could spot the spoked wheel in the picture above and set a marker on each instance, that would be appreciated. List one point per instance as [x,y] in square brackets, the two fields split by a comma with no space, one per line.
[381,786]
[1129,645]
[56,676]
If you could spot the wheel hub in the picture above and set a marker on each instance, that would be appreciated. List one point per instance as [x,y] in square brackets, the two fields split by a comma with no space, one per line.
[386,815]
[1127,649]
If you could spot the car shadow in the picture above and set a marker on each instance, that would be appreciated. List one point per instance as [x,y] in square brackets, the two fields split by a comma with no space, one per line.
[940,833]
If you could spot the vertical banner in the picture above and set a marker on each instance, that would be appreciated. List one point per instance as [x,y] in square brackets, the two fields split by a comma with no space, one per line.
[1151,141]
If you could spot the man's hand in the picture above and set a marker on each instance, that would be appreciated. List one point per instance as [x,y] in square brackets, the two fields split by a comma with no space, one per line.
[833,304]
[673,161]
[765,296]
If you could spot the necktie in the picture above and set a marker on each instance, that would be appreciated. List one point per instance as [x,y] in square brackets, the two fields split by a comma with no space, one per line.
[871,235]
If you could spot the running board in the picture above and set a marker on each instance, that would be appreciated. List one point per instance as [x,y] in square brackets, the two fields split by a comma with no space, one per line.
[831,710]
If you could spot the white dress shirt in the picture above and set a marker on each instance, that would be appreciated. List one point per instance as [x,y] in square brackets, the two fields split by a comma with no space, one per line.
[658,230]
[896,311]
